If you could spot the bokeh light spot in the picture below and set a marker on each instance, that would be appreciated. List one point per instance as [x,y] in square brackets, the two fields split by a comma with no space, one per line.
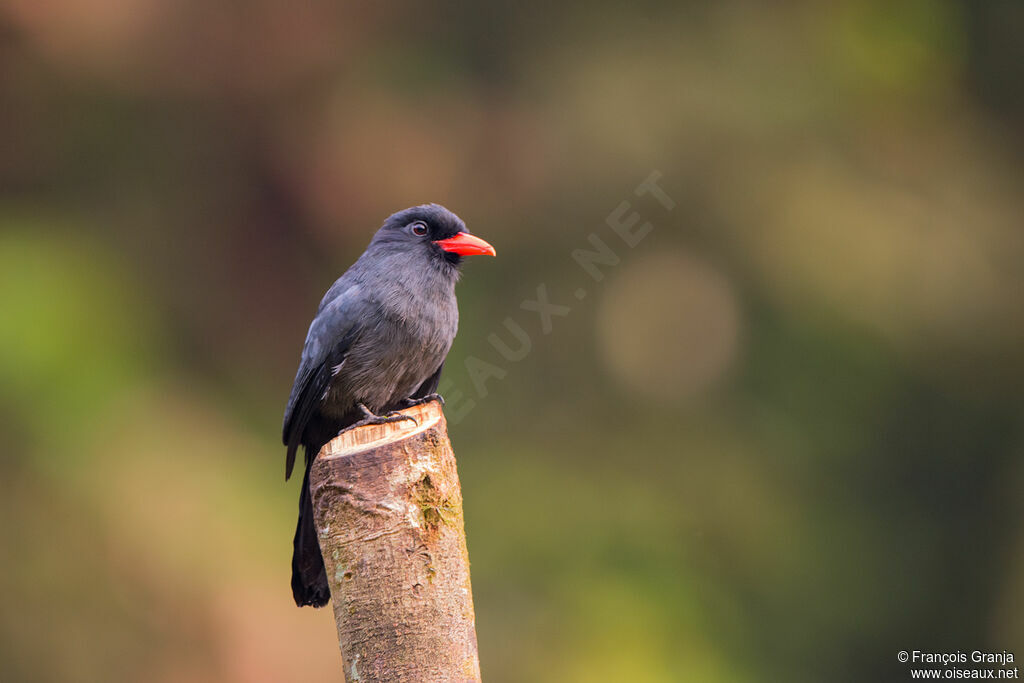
[669,326]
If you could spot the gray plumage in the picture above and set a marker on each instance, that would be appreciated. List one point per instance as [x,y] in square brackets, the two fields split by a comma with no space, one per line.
[380,337]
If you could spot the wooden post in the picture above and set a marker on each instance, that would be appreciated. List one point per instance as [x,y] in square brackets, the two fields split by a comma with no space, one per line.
[388,509]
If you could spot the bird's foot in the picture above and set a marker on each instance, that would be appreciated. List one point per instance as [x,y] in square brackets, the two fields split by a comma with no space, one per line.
[410,402]
[370,418]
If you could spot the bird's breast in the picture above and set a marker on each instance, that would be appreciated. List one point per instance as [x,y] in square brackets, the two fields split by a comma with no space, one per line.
[393,355]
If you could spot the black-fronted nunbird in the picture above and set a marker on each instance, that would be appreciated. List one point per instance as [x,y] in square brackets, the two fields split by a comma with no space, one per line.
[377,344]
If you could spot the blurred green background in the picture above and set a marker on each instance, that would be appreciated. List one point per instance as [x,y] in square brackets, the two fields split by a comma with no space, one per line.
[780,440]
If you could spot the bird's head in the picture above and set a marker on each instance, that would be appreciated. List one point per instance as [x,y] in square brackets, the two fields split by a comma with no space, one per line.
[433,231]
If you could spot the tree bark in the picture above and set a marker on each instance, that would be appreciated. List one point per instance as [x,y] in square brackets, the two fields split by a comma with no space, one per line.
[388,510]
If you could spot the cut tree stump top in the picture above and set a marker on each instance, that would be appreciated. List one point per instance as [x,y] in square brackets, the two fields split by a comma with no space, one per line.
[374,436]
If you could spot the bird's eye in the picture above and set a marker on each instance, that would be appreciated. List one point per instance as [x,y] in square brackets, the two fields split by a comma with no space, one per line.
[419,228]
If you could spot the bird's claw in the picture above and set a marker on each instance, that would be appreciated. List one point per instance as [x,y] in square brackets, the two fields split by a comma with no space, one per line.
[396,416]
[410,402]
[370,418]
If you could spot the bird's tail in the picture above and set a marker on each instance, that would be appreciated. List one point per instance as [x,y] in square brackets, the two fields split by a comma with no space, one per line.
[309,577]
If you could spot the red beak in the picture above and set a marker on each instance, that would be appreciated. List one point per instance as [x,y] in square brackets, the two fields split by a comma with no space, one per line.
[465,244]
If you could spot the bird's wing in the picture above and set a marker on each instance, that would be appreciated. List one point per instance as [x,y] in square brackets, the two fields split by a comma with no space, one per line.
[330,336]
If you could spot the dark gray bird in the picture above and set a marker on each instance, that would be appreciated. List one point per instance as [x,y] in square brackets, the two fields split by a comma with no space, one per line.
[376,345]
